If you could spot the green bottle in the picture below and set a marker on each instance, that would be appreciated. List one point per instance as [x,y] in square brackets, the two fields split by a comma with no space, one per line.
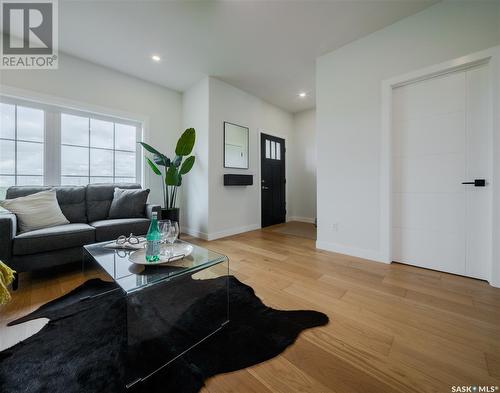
[153,240]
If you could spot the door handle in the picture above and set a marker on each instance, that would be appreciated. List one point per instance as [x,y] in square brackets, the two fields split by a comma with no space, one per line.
[476,182]
[265,188]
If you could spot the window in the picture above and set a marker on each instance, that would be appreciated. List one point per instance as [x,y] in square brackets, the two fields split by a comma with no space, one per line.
[44,144]
[21,145]
[273,150]
[96,151]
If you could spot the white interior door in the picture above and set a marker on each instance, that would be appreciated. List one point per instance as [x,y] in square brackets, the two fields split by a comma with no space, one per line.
[442,137]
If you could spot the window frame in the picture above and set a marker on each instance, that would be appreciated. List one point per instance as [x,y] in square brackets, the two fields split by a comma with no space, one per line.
[52,173]
[16,140]
[272,150]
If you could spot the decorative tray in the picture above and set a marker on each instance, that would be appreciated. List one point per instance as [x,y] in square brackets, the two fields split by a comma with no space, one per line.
[169,253]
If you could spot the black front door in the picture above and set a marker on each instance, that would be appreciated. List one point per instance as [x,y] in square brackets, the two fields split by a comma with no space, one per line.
[272,153]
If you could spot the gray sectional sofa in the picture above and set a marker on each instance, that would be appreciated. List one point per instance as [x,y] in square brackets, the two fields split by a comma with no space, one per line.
[86,208]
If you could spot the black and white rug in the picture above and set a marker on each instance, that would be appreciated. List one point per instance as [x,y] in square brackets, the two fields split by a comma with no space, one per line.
[82,347]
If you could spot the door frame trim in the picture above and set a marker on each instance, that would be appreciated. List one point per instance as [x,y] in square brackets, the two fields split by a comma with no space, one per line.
[262,132]
[489,56]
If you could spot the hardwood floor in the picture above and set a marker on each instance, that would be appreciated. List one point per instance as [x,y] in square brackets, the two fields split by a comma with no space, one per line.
[393,328]
[295,228]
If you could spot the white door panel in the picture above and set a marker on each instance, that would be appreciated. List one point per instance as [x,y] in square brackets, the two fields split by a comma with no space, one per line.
[479,166]
[430,249]
[429,211]
[432,173]
[430,135]
[479,231]
[444,94]
[441,138]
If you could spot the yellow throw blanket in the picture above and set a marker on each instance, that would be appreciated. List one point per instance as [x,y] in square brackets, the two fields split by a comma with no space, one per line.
[6,277]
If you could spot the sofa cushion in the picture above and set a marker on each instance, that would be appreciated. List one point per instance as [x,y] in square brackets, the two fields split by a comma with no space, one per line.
[42,260]
[53,238]
[111,229]
[36,211]
[71,199]
[128,203]
[72,202]
[20,191]
[99,197]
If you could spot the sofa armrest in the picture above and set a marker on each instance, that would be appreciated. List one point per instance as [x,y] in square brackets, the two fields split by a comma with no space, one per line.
[150,208]
[8,229]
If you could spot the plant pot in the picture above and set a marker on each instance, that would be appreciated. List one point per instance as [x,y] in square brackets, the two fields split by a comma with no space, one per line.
[172,214]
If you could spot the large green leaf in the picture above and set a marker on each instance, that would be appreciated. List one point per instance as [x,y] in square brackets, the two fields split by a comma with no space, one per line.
[162,160]
[177,161]
[185,143]
[187,165]
[172,176]
[153,167]
[150,148]
[158,158]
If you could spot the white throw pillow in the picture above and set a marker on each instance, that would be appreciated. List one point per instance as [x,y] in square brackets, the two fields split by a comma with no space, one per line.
[36,211]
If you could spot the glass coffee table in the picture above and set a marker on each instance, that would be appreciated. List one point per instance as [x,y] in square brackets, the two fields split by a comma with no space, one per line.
[170,308]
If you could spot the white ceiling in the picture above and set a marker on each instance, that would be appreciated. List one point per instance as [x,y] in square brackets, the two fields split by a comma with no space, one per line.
[267,48]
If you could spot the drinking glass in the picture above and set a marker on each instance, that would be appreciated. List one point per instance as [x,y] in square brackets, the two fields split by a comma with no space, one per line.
[164,226]
[172,234]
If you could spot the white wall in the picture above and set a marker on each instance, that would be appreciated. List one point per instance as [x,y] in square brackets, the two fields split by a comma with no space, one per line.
[100,89]
[237,209]
[349,112]
[195,114]
[302,160]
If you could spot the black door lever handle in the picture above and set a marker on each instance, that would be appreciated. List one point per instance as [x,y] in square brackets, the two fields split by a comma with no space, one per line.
[476,182]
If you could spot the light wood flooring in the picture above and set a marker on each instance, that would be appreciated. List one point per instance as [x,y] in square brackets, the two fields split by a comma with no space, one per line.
[393,328]
[295,228]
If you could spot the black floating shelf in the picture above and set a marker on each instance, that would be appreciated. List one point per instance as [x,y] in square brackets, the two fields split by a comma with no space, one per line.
[238,180]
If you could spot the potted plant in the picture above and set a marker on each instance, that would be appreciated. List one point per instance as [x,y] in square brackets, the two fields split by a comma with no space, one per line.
[171,171]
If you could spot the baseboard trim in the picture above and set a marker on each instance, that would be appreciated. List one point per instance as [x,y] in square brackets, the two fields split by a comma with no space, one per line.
[232,231]
[220,234]
[192,232]
[301,219]
[351,251]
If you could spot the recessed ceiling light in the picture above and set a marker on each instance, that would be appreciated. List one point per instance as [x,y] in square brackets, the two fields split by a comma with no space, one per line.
[302,95]
[155,58]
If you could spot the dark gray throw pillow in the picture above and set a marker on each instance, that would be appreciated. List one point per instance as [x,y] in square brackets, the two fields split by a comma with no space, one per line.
[128,203]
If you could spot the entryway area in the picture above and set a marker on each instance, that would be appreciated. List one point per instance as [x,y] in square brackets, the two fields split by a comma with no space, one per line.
[295,228]
[273,181]
[442,168]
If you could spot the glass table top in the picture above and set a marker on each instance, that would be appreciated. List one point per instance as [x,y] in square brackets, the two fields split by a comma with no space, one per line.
[132,277]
